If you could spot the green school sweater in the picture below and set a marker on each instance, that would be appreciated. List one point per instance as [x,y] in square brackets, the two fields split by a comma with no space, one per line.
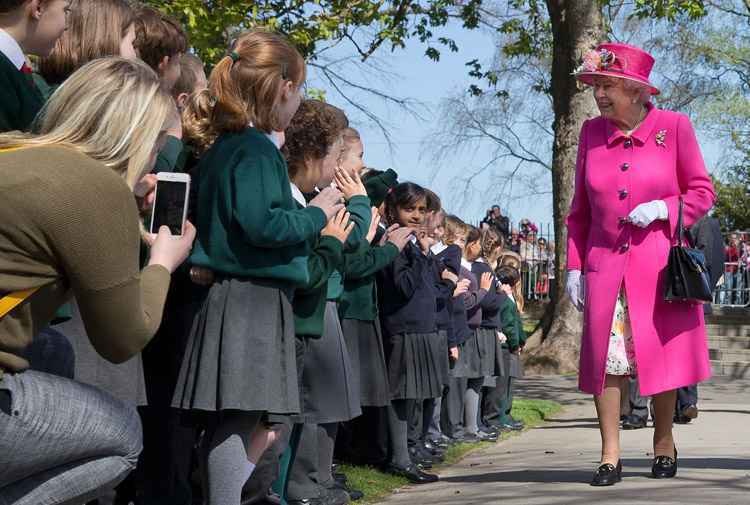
[360,297]
[169,156]
[20,100]
[45,89]
[310,301]
[248,223]
[512,325]
[361,216]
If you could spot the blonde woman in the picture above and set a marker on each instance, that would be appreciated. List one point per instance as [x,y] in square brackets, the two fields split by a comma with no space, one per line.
[69,224]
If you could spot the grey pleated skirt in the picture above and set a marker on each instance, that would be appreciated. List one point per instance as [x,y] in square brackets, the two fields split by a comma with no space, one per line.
[364,340]
[512,364]
[487,345]
[415,365]
[240,354]
[124,381]
[329,388]
[469,364]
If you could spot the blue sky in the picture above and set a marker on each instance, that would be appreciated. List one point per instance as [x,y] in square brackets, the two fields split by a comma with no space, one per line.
[417,77]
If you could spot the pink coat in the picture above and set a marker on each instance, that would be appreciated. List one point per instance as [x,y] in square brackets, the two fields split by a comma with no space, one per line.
[661,161]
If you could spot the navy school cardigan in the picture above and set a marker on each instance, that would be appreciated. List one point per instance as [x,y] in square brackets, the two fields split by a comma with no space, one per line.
[406,290]
[492,301]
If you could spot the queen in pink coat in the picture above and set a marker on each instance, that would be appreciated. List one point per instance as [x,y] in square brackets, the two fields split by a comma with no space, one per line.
[635,163]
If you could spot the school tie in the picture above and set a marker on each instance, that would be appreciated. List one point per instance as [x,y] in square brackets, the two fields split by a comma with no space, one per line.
[26,71]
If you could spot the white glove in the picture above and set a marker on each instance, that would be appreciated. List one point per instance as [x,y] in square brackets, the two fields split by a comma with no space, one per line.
[646,213]
[575,288]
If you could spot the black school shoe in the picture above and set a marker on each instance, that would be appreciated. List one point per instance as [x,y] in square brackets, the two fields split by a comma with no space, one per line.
[512,425]
[354,494]
[607,475]
[442,442]
[664,467]
[434,453]
[434,446]
[329,497]
[426,459]
[412,473]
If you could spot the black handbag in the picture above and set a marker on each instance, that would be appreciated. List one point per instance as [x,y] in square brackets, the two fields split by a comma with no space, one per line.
[687,278]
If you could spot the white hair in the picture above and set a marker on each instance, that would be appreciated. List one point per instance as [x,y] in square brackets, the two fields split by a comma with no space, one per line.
[640,91]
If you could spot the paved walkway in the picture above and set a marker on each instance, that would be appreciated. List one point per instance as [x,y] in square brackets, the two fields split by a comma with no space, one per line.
[552,464]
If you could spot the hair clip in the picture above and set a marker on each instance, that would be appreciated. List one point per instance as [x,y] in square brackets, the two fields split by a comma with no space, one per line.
[235,56]
[284,71]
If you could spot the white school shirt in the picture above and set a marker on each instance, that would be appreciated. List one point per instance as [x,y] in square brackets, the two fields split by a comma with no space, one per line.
[297,195]
[10,48]
[438,248]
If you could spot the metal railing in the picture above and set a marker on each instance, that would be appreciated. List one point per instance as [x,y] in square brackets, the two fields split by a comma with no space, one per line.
[538,268]
[535,250]
[733,289]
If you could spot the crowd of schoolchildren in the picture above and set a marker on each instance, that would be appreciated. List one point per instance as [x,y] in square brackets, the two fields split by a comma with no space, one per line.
[324,312]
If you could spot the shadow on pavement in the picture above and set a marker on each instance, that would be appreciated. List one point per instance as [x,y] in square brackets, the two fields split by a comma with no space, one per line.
[638,468]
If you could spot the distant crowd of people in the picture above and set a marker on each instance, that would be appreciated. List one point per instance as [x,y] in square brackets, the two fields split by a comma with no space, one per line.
[734,289]
[534,251]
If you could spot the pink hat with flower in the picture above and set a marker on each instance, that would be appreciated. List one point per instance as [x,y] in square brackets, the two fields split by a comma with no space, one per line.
[617,60]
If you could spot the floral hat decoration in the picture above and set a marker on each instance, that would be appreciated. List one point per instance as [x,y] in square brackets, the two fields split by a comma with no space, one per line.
[617,60]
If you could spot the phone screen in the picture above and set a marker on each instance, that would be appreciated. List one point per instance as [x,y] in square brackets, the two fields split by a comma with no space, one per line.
[169,206]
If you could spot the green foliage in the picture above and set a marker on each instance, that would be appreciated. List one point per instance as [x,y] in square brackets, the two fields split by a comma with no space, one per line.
[732,207]
[365,24]
[670,9]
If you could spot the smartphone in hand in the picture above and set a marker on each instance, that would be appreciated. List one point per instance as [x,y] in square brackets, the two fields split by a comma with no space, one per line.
[171,202]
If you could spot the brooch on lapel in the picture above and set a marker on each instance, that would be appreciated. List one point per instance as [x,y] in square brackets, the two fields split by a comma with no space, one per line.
[661,136]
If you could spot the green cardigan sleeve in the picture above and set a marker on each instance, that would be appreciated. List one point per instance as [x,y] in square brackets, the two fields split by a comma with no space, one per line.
[508,320]
[361,215]
[368,260]
[521,332]
[257,183]
[322,261]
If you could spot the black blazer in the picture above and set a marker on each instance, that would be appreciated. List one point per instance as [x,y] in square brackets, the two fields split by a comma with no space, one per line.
[706,236]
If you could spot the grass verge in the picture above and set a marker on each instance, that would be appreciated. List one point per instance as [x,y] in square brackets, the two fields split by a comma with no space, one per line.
[376,485]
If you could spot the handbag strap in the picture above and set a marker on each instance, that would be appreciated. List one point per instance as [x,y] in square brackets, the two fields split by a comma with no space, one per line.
[680,231]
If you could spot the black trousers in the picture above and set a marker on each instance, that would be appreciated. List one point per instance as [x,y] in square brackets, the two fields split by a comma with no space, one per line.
[364,440]
[419,420]
[452,415]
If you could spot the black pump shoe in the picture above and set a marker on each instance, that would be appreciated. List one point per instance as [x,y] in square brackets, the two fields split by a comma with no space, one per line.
[413,474]
[607,474]
[664,467]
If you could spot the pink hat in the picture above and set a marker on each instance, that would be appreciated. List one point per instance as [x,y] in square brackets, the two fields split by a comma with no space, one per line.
[617,60]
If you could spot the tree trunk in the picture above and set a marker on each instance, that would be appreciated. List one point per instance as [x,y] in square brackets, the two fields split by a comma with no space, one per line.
[577,27]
